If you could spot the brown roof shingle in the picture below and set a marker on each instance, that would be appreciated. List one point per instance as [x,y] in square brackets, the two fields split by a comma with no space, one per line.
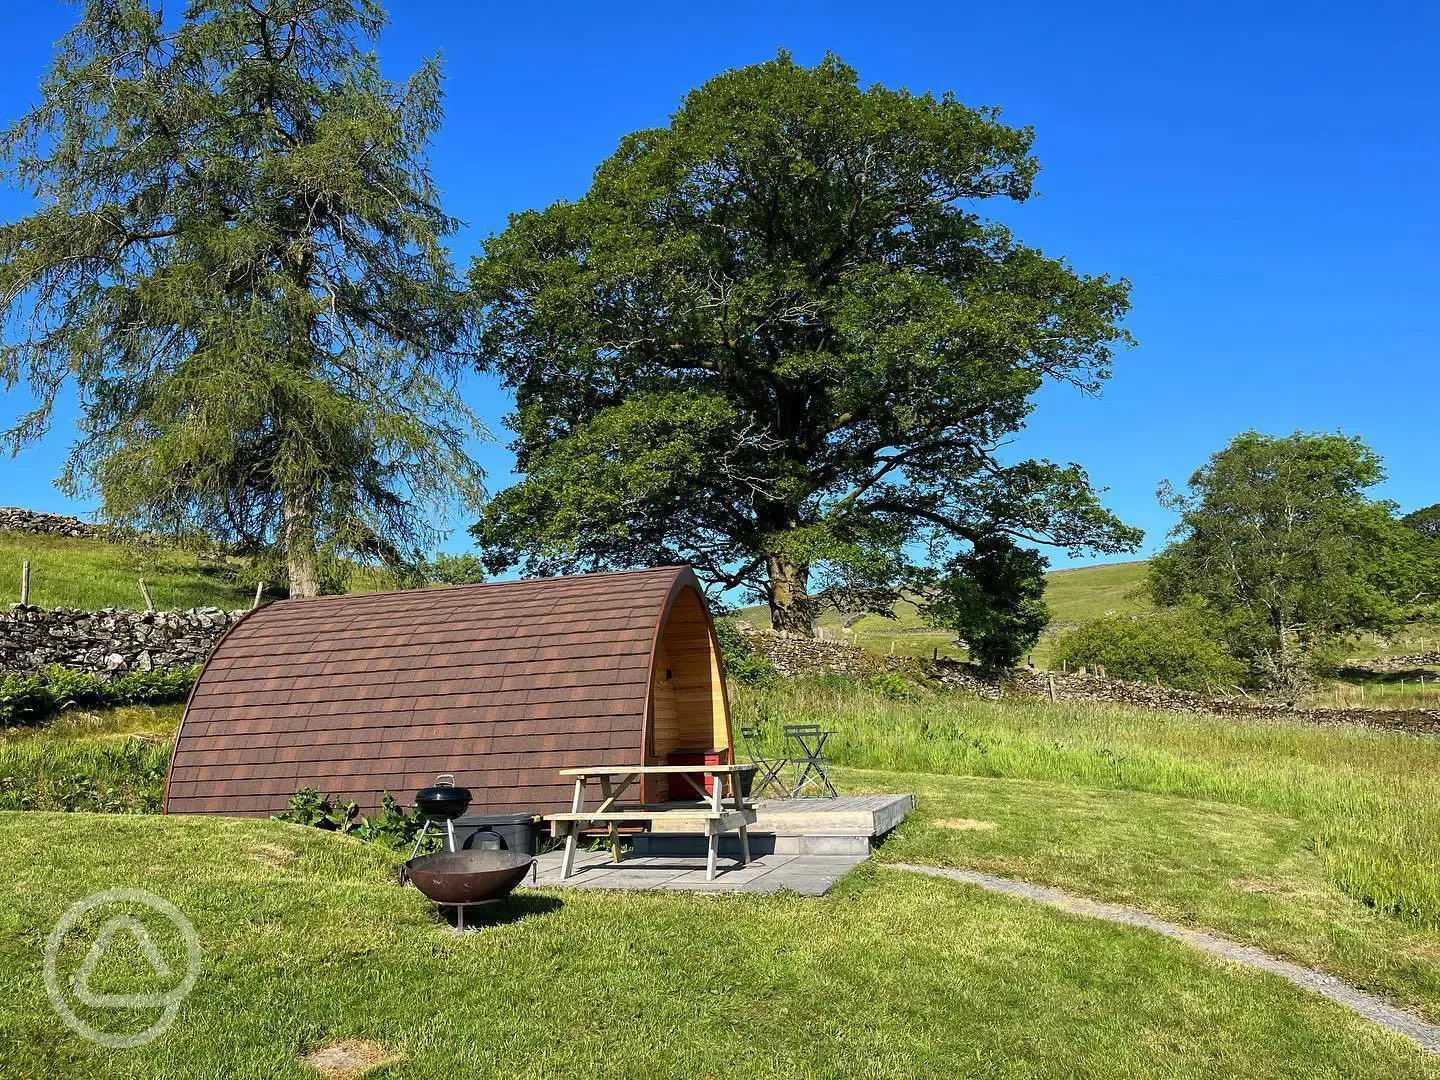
[501,684]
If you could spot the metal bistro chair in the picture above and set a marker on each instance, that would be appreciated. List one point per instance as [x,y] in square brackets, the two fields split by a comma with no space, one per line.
[767,771]
[813,765]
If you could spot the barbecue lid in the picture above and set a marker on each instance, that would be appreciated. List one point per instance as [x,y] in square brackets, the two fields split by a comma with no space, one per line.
[443,799]
[445,795]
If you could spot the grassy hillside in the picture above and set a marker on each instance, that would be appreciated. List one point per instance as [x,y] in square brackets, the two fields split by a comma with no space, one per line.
[1088,592]
[92,574]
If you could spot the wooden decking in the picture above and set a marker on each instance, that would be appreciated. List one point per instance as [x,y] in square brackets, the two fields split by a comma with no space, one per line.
[849,815]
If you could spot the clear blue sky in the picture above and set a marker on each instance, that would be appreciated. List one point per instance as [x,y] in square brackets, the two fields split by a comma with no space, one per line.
[1266,178]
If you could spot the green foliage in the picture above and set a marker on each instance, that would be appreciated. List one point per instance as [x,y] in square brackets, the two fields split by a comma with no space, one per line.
[1425,520]
[1280,543]
[311,807]
[1413,570]
[776,340]
[30,699]
[743,663]
[445,569]
[239,258]
[396,828]
[993,597]
[1174,647]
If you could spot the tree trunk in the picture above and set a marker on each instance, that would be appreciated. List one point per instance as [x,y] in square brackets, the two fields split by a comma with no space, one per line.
[789,600]
[300,545]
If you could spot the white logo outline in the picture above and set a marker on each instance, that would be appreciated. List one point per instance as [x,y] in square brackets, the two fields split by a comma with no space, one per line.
[168,1002]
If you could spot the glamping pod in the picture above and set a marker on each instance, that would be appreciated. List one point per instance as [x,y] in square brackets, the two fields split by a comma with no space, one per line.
[501,684]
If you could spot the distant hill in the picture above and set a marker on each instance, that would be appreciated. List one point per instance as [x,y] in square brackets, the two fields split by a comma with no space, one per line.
[91,574]
[1087,592]
[1073,596]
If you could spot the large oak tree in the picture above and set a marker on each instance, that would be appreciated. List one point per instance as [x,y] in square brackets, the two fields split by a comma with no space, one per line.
[238,255]
[778,340]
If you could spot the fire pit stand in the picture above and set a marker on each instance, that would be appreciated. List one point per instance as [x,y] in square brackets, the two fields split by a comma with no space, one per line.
[466,879]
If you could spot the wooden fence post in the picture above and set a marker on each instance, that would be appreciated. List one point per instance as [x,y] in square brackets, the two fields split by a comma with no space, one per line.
[25,582]
[149,604]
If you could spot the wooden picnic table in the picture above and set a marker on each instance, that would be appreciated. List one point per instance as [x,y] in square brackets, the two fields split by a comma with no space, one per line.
[711,815]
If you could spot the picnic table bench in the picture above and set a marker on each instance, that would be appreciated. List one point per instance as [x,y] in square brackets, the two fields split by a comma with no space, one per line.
[711,815]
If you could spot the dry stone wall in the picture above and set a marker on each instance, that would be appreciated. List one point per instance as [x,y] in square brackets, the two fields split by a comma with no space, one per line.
[108,642]
[1389,664]
[791,655]
[15,519]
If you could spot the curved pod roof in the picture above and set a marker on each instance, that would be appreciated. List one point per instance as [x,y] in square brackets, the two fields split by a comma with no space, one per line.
[501,684]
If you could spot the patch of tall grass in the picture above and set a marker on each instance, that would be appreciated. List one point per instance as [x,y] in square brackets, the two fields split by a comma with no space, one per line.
[109,775]
[1368,799]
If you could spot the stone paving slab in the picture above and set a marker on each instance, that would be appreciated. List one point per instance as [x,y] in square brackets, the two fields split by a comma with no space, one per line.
[811,875]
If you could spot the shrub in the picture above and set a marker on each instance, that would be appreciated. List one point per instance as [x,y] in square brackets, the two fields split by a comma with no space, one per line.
[394,827]
[30,699]
[1173,647]
[309,806]
[24,699]
[742,662]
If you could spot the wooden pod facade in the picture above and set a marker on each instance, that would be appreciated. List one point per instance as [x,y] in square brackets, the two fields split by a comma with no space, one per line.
[501,684]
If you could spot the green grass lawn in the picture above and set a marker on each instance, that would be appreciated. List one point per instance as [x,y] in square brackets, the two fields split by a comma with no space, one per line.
[1316,843]
[306,939]
[1249,874]
[1324,840]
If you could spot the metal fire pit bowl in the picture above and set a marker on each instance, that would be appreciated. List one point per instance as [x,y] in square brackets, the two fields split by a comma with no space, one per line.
[461,878]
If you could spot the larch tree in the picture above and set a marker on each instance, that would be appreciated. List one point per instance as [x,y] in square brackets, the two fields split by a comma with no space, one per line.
[239,259]
[776,340]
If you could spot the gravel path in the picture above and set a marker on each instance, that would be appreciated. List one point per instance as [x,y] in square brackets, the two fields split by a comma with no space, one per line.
[1427,1035]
